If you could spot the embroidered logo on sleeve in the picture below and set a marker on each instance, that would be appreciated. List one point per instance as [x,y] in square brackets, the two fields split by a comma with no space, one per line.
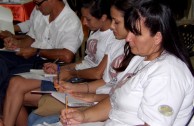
[165,110]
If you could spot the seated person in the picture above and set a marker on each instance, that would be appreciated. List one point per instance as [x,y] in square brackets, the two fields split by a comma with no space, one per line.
[146,96]
[56,33]
[85,91]
[98,44]
[22,27]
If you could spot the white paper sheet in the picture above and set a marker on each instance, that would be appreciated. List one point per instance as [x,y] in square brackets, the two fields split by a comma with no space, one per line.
[72,102]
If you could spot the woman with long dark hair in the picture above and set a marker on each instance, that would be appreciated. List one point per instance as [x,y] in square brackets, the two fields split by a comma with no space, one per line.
[158,89]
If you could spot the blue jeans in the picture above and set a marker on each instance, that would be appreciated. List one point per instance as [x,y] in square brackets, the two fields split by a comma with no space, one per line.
[34,119]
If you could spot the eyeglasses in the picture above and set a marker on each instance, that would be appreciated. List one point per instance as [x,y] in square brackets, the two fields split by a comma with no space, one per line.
[40,3]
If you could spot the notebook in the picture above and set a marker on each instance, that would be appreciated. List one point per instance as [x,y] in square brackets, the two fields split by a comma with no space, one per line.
[72,102]
[37,74]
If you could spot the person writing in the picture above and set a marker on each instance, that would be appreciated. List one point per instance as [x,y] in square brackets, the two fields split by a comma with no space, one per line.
[56,33]
[98,20]
[159,90]
[115,53]
[91,91]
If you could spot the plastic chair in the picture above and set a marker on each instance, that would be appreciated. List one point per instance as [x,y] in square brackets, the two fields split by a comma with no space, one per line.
[187,33]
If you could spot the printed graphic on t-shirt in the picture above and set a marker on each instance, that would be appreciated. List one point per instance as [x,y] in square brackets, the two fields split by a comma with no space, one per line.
[91,49]
[115,64]
[120,83]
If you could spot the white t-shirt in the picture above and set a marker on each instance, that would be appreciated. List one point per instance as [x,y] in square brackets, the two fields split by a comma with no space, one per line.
[115,57]
[159,93]
[64,32]
[117,76]
[97,46]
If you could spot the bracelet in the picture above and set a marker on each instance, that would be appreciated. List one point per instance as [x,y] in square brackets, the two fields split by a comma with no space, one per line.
[38,52]
[88,89]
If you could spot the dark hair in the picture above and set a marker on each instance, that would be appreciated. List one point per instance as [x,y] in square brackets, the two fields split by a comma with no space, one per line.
[97,7]
[123,6]
[158,18]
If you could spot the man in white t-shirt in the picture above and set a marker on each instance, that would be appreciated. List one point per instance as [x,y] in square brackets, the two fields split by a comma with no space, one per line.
[55,33]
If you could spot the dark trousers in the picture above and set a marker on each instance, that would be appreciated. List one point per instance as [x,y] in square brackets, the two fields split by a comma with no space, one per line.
[11,64]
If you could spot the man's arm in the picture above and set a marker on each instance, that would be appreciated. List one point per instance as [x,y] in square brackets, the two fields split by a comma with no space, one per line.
[62,54]
[24,42]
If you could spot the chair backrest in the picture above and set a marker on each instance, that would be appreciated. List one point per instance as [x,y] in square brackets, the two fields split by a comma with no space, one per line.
[187,33]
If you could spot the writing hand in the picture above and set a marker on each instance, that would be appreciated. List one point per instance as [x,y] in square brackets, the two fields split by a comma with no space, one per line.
[71,116]
[50,68]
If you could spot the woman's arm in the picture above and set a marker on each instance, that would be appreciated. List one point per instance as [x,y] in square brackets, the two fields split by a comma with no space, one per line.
[95,113]
[90,73]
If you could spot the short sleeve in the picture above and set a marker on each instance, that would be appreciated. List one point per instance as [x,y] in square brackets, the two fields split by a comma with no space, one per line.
[160,104]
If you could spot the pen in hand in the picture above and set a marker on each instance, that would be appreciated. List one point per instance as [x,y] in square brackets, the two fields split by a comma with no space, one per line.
[56,60]
[66,107]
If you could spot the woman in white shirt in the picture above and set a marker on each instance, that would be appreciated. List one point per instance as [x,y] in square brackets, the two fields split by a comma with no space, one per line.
[158,89]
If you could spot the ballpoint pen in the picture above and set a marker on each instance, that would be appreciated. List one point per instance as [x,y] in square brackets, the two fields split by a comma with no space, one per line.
[56,60]
[66,107]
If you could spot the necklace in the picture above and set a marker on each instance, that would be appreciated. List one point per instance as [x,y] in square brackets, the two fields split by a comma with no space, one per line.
[128,76]
[137,70]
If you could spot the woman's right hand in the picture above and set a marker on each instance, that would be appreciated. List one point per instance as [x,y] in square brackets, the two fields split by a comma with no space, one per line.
[71,116]
[50,68]
[63,86]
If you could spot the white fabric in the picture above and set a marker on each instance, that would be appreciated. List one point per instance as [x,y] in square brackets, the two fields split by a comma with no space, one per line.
[97,46]
[6,20]
[164,82]
[64,32]
[25,26]
[115,57]
[107,87]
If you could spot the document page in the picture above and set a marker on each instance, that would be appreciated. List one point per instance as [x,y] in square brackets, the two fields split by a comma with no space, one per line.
[37,74]
[72,102]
